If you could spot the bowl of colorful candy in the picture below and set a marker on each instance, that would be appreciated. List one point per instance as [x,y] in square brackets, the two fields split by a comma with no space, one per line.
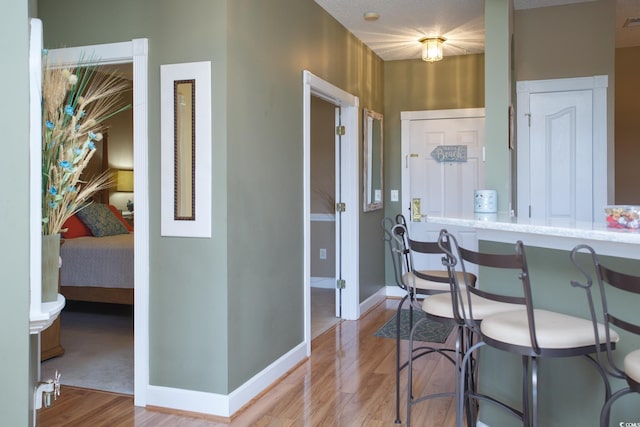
[621,216]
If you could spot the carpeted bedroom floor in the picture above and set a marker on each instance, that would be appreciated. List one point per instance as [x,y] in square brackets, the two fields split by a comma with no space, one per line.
[98,343]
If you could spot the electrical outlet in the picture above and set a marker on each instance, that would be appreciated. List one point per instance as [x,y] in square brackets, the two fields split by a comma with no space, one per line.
[323,253]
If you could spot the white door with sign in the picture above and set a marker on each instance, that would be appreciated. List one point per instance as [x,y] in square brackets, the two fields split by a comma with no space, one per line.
[442,165]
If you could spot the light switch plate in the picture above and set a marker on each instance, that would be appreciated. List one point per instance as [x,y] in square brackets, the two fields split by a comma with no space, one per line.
[394,195]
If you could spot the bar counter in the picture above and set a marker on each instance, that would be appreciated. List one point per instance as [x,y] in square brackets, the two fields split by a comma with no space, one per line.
[552,234]
[570,392]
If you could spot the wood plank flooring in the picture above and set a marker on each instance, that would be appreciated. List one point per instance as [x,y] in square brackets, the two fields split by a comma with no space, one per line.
[348,381]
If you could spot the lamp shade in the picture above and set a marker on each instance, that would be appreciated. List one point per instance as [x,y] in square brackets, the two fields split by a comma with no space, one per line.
[432,48]
[124,181]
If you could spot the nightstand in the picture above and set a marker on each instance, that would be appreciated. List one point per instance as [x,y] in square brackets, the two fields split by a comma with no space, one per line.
[128,216]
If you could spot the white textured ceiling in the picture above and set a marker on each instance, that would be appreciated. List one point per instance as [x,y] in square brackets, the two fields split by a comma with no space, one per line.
[403,22]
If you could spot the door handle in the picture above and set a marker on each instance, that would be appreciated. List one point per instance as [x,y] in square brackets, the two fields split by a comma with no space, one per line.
[416,212]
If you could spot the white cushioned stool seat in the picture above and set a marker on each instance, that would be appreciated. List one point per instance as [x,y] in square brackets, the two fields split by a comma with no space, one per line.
[553,330]
[420,284]
[632,365]
[440,305]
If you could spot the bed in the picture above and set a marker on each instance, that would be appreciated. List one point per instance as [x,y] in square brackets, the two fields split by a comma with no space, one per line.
[98,266]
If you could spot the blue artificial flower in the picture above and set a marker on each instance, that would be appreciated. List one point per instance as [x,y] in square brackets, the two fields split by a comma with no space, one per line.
[49,124]
[53,191]
[83,113]
[52,204]
[92,135]
[65,164]
[71,189]
[68,110]
[77,151]
[91,145]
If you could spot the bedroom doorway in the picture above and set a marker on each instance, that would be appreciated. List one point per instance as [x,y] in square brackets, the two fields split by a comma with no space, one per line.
[133,52]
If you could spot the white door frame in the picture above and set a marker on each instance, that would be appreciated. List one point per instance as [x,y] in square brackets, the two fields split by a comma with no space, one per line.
[598,86]
[136,52]
[313,85]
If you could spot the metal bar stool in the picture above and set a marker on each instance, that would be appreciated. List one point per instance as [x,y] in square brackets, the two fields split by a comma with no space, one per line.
[526,331]
[414,283]
[630,284]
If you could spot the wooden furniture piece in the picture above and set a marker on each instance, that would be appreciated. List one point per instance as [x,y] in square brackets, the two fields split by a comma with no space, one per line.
[50,342]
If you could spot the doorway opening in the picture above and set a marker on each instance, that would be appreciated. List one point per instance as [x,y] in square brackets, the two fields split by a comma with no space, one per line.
[133,52]
[325,307]
[346,192]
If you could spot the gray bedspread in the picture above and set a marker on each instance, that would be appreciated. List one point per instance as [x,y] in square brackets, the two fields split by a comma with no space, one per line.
[98,261]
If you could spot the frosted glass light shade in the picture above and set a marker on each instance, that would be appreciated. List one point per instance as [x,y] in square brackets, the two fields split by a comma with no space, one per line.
[432,48]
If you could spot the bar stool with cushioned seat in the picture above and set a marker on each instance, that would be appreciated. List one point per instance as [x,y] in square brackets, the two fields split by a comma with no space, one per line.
[528,332]
[630,284]
[451,306]
[414,283]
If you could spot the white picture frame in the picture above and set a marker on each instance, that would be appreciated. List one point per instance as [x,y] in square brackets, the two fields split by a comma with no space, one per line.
[186,208]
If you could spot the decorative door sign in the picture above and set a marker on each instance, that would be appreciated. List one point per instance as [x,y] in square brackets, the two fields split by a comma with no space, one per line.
[450,153]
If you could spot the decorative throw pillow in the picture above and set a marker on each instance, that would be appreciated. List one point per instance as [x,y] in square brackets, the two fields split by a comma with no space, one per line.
[75,228]
[101,221]
[118,215]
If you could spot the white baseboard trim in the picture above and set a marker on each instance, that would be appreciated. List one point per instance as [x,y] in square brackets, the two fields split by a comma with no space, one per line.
[373,300]
[225,405]
[394,291]
[323,282]
[481,424]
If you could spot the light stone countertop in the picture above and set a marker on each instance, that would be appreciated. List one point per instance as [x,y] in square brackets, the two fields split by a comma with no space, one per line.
[550,233]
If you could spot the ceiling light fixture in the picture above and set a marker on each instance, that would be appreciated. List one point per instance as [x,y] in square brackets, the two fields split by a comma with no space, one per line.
[371,16]
[432,48]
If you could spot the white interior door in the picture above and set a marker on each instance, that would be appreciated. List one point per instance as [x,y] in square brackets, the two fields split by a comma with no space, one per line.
[434,187]
[562,155]
[561,151]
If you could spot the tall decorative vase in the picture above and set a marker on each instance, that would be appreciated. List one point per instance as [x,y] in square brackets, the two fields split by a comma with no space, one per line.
[50,266]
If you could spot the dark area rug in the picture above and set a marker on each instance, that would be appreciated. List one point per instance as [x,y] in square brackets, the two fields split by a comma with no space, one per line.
[430,330]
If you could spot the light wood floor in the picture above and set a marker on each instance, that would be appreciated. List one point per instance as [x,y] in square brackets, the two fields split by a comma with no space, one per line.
[348,381]
[323,310]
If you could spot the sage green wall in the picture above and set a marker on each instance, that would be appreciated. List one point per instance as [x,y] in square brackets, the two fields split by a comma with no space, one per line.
[498,87]
[269,46]
[571,392]
[188,307]
[578,40]
[415,85]
[222,309]
[16,393]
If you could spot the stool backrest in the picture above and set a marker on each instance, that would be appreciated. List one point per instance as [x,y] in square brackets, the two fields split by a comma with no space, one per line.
[606,278]
[402,249]
[396,248]
[516,262]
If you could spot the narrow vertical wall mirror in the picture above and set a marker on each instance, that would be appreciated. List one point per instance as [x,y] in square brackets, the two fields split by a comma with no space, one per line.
[372,162]
[185,182]
[184,149]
